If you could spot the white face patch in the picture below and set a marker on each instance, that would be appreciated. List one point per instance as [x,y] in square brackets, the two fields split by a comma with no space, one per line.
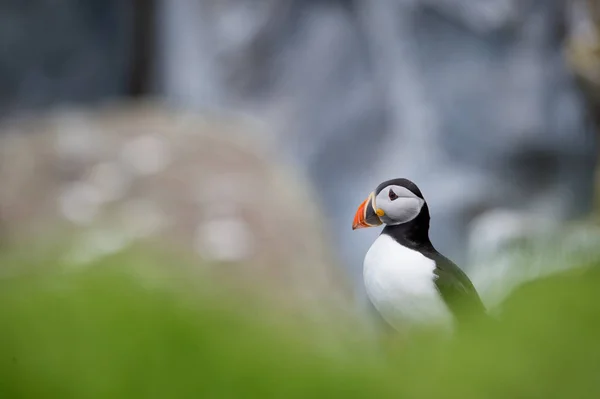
[400,206]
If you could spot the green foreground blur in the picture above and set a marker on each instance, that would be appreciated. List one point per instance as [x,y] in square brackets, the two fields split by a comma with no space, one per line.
[105,332]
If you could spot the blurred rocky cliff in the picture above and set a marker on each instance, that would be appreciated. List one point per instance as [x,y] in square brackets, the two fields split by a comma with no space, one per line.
[63,52]
[474,100]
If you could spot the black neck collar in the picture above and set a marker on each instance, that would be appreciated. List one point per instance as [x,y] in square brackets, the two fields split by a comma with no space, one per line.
[413,234]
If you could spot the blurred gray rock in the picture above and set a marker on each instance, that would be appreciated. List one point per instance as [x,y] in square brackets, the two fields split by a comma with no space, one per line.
[206,185]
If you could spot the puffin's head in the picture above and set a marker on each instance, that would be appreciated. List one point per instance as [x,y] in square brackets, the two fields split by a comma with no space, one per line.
[393,202]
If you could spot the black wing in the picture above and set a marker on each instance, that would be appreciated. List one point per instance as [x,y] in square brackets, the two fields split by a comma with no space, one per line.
[457,290]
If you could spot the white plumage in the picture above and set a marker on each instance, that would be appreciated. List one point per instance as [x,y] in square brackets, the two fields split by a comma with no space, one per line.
[400,283]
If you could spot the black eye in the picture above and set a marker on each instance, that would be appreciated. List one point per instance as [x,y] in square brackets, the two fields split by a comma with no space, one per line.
[392,195]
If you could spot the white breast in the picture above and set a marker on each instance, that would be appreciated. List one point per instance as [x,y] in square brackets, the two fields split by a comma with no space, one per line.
[400,283]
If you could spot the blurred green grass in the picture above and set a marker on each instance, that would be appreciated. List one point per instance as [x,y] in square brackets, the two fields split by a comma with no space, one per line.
[106,331]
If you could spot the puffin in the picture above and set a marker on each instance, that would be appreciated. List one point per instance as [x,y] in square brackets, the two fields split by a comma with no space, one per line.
[407,280]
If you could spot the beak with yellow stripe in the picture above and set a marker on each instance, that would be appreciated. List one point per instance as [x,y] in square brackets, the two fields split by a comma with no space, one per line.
[367,214]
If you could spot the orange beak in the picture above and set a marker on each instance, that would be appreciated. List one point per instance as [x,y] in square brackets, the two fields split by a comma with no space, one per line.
[366,216]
